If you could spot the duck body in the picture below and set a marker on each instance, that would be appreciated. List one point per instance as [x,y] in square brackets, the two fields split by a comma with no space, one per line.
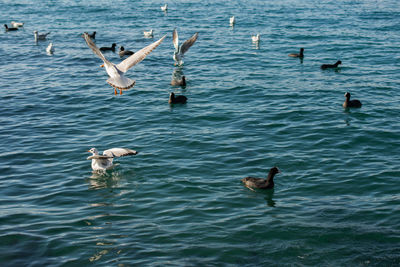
[180,99]
[122,52]
[351,103]
[105,48]
[105,162]
[300,54]
[260,183]
[10,29]
[180,50]
[331,66]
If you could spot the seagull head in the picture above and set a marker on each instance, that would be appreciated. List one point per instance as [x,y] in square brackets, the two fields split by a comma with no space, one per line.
[94,151]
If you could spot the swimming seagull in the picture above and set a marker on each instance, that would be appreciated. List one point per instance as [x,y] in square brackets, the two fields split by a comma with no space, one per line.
[50,49]
[148,34]
[105,162]
[17,24]
[40,36]
[255,38]
[232,20]
[164,7]
[183,48]
[116,72]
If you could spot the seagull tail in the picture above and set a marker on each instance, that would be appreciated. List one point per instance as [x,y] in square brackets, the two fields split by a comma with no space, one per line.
[121,84]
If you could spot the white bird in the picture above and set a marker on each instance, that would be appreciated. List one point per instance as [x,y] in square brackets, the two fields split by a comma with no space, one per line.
[50,48]
[116,72]
[255,38]
[232,20]
[105,162]
[148,34]
[17,24]
[40,36]
[164,7]
[183,48]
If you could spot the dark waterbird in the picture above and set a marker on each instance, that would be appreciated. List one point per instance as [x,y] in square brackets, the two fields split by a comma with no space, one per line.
[122,52]
[112,48]
[331,66]
[260,183]
[180,99]
[10,29]
[179,82]
[93,35]
[351,103]
[300,54]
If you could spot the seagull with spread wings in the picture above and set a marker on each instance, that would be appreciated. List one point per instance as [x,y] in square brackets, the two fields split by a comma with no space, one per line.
[117,78]
[183,48]
[105,162]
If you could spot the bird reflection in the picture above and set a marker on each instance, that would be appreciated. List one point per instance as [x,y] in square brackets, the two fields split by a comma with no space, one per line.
[104,180]
[268,198]
[256,45]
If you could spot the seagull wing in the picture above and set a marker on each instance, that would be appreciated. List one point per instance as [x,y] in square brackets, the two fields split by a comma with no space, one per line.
[94,48]
[99,157]
[188,43]
[138,56]
[119,152]
[175,39]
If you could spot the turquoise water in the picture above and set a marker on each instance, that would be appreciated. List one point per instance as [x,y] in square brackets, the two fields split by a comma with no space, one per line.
[180,201]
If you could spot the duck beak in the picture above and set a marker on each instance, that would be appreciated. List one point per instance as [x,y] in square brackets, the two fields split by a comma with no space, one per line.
[102,66]
[89,151]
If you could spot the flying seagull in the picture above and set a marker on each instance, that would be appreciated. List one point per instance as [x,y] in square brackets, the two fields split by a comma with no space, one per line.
[117,77]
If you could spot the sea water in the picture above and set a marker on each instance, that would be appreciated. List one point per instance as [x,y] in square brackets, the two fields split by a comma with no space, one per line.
[180,201]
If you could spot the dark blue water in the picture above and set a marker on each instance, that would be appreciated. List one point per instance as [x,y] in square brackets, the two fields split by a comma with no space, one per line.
[180,201]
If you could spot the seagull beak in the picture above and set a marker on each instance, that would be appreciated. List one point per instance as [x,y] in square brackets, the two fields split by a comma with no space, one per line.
[102,66]
[89,151]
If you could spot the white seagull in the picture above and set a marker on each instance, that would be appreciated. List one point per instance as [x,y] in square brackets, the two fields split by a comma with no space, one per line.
[183,48]
[116,72]
[232,20]
[148,34]
[17,24]
[40,36]
[50,49]
[105,162]
[255,38]
[164,7]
